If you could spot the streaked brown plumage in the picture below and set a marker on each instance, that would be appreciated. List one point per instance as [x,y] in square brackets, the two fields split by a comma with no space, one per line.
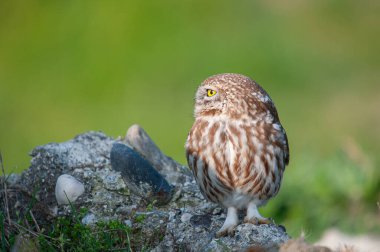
[237,148]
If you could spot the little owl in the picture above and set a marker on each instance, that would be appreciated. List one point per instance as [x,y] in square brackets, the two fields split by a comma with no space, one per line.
[237,148]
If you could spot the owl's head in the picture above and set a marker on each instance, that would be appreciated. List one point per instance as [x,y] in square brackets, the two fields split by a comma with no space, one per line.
[227,93]
[209,99]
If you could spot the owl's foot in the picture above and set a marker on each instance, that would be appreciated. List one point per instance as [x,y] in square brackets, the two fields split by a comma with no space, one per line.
[226,231]
[254,217]
[230,223]
[258,221]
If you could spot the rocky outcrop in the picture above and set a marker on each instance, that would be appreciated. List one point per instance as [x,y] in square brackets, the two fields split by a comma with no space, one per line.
[125,178]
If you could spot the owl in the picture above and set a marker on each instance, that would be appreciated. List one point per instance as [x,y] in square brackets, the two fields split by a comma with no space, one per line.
[237,148]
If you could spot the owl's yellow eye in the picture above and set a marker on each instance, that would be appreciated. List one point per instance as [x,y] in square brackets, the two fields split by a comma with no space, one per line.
[211,92]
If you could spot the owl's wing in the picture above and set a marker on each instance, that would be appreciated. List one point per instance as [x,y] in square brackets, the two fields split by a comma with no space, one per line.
[286,149]
[282,137]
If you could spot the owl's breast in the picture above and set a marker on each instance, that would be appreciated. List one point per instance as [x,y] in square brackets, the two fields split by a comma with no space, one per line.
[232,162]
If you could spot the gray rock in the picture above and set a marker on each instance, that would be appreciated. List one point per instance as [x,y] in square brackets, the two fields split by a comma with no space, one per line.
[88,150]
[201,220]
[89,219]
[143,179]
[140,141]
[186,223]
[112,180]
[128,223]
[13,179]
[189,237]
[186,217]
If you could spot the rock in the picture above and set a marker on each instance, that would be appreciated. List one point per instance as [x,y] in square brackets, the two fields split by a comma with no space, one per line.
[128,223]
[153,226]
[112,180]
[187,222]
[89,219]
[199,235]
[13,179]
[142,178]
[68,189]
[186,217]
[201,220]
[89,150]
[140,141]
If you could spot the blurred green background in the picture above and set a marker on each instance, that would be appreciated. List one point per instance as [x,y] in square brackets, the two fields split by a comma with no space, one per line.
[67,67]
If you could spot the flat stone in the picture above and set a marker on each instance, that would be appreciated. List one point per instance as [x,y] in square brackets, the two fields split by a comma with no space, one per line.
[89,219]
[186,217]
[140,141]
[141,177]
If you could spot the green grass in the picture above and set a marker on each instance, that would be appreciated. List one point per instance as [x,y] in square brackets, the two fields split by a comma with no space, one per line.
[69,234]
[69,67]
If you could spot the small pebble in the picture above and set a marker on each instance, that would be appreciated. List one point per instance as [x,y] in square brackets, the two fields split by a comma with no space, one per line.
[186,217]
[89,219]
[171,216]
[68,189]
[128,223]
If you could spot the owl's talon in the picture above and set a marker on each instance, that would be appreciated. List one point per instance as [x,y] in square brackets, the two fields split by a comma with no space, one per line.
[265,221]
[230,223]
[254,217]
[258,221]
[229,231]
[254,220]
